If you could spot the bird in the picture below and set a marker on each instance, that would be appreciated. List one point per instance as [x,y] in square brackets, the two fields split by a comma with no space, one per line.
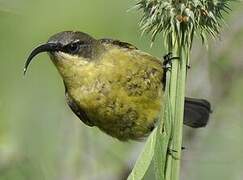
[112,85]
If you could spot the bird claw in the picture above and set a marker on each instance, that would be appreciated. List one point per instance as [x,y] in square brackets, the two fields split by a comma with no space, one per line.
[168,59]
[167,63]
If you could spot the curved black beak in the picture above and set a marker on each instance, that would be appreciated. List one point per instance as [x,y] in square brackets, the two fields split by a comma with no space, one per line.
[48,47]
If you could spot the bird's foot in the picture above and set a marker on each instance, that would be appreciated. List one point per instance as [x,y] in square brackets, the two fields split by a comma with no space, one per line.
[168,58]
[167,63]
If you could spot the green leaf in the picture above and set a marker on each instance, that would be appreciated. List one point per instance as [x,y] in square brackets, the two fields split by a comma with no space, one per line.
[162,142]
[145,158]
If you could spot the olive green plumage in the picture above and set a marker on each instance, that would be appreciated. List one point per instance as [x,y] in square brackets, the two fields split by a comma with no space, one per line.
[119,90]
[113,85]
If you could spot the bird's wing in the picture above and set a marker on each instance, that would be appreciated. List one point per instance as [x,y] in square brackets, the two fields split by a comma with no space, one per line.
[117,43]
[196,112]
[112,44]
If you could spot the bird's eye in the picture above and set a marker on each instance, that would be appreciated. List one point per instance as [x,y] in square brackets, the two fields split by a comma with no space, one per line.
[72,48]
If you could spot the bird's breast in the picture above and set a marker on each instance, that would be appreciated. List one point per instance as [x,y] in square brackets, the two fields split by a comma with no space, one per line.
[121,94]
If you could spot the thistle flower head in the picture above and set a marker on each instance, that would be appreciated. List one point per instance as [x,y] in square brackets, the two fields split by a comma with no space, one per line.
[182,17]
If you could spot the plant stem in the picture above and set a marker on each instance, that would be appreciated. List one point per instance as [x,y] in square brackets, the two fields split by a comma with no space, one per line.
[176,98]
[171,89]
[179,111]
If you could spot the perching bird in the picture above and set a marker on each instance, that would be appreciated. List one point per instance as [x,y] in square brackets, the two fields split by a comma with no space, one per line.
[113,85]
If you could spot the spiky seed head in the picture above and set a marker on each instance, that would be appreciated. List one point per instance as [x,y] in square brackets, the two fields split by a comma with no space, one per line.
[182,18]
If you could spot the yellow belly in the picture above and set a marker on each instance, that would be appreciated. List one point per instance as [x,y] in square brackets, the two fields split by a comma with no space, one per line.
[121,93]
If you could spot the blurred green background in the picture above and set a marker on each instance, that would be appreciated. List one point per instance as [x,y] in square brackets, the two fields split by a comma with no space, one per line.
[40,138]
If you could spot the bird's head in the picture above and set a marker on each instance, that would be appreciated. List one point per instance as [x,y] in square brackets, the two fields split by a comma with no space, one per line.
[68,50]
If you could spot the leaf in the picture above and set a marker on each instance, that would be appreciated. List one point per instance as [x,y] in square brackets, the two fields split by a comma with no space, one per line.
[145,158]
[162,142]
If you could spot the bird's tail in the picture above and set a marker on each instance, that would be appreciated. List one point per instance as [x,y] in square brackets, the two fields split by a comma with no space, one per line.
[196,112]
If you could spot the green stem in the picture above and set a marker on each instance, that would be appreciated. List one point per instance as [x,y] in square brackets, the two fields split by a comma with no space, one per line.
[179,111]
[172,97]
[177,96]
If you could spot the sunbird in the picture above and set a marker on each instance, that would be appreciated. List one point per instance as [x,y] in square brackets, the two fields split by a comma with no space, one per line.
[113,85]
